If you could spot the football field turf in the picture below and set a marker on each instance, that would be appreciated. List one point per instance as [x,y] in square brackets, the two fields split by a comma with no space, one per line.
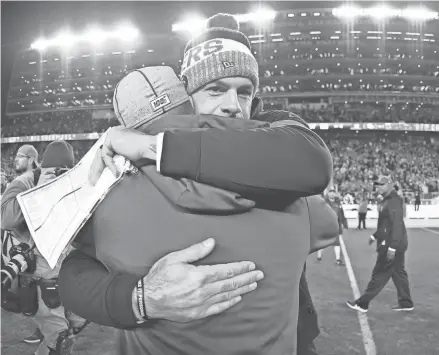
[394,333]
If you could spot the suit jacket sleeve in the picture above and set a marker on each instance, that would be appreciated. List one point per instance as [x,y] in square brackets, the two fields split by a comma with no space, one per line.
[89,290]
[324,223]
[396,214]
[261,162]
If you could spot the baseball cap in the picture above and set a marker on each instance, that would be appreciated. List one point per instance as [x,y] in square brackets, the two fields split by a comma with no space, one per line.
[30,152]
[383,180]
[146,94]
[58,154]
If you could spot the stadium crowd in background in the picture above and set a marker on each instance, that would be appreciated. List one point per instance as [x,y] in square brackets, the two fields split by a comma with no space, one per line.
[82,121]
[358,161]
[359,157]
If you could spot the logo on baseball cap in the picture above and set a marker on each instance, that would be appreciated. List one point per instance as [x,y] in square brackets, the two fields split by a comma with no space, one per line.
[160,102]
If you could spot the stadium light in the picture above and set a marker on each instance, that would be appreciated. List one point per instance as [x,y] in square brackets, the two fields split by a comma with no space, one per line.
[419,14]
[348,12]
[126,33]
[382,12]
[40,44]
[196,24]
[65,39]
[93,35]
[260,15]
[193,25]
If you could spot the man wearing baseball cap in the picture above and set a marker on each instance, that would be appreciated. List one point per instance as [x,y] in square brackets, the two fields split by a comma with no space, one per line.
[391,238]
[26,161]
[192,209]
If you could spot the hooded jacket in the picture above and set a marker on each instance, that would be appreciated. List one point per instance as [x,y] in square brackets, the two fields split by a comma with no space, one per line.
[147,215]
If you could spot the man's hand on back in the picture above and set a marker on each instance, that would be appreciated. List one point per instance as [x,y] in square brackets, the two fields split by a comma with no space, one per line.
[178,291]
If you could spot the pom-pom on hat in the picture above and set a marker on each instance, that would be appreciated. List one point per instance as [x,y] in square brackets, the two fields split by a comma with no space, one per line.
[221,51]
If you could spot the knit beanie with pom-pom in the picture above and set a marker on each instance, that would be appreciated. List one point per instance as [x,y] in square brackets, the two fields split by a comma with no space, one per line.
[221,51]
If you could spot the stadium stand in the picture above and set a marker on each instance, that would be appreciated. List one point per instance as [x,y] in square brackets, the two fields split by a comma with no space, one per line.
[371,92]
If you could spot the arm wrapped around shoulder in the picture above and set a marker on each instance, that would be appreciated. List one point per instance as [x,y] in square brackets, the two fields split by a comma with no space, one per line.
[324,223]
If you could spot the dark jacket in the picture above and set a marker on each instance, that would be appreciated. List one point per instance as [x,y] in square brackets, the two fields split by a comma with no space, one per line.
[338,209]
[149,202]
[391,227]
[308,326]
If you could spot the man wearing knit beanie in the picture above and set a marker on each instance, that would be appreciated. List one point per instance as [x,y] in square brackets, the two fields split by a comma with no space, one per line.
[57,159]
[218,63]
[58,154]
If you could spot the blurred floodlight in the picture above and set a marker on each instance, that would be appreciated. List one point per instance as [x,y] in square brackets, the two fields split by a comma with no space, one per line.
[196,24]
[193,25]
[383,12]
[260,15]
[40,44]
[347,12]
[95,35]
[417,14]
[65,39]
[127,33]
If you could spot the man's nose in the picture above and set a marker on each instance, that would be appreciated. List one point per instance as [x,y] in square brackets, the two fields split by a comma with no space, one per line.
[230,104]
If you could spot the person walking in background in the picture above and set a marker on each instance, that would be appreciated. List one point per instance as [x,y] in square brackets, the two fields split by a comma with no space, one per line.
[391,237]
[362,212]
[336,206]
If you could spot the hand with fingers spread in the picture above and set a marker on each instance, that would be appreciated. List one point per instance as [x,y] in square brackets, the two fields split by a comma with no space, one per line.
[178,291]
[129,143]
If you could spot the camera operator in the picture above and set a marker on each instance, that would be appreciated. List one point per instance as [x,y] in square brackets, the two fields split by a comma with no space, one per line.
[56,325]
[9,297]
[26,162]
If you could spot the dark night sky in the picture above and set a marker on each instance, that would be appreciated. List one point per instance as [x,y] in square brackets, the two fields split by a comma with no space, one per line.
[23,22]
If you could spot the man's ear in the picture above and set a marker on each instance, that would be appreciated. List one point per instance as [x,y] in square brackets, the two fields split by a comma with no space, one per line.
[257,106]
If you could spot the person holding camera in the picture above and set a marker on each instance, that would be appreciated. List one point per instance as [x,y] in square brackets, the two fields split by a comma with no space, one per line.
[40,281]
[25,163]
